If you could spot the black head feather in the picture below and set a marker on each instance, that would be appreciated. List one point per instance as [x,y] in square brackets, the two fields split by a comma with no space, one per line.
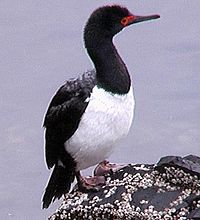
[107,20]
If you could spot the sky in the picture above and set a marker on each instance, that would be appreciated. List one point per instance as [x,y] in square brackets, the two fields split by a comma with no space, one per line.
[41,47]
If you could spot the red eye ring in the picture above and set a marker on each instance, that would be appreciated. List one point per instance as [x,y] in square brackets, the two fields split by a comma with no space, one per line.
[124,21]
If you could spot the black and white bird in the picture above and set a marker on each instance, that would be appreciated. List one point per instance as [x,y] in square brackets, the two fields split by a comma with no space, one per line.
[89,115]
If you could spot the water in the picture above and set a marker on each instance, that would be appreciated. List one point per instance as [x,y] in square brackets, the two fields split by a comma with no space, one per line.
[41,46]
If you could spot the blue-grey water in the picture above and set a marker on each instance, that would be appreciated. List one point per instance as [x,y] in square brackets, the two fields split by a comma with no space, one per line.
[41,46]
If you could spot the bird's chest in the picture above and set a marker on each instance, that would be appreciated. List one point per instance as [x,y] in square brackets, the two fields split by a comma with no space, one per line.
[109,115]
[106,120]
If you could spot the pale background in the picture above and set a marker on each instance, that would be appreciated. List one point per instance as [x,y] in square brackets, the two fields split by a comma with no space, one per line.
[41,46]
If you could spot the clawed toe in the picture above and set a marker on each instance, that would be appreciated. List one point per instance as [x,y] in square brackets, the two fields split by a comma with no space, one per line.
[105,168]
[86,184]
[95,183]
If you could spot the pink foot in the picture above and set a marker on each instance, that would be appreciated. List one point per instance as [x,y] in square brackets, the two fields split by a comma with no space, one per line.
[105,167]
[86,184]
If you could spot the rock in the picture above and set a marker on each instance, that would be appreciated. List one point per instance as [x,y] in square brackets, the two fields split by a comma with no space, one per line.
[168,190]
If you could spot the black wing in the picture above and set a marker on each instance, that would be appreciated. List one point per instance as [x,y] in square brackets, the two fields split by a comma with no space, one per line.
[64,114]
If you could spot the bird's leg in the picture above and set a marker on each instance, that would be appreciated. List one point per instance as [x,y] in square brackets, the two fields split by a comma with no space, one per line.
[89,183]
[105,167]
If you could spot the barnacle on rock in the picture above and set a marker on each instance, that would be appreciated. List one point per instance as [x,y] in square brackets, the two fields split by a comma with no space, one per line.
[169,190]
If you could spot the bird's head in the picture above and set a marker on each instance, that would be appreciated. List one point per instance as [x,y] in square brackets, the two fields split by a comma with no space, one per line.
[109,20]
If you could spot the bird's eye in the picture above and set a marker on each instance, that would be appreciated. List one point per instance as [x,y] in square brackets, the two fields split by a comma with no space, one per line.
[127,20]
[124,21]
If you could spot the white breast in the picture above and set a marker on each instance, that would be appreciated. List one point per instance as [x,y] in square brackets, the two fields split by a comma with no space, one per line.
[107,120]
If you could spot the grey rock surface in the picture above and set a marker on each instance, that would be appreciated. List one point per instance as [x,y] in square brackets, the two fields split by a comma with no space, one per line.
[168,190]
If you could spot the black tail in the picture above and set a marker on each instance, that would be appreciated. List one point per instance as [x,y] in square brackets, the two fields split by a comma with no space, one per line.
[59,184]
